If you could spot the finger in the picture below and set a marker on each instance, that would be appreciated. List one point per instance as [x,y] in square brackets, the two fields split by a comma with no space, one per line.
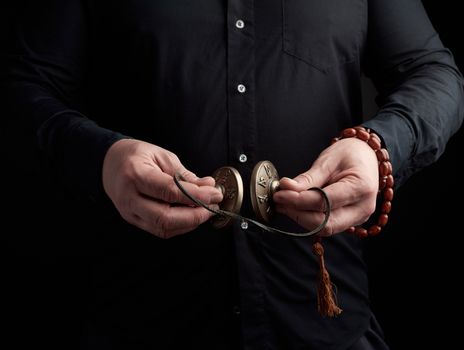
[195,216]
[317,176]
[340,219]
[159,185]
[146,226]
[345,193]
[187,175]
[340,194]
[200,181]
[171,164]
[305,200]
[165,220]
[205,181]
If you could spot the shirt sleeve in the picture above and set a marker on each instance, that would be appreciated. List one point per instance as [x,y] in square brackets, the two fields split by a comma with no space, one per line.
[42,74]
[420,88]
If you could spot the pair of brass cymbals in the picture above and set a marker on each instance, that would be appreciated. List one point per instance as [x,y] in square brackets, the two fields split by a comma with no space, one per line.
[264,183]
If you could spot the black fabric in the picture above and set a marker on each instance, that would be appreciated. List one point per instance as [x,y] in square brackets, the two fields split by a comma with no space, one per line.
[83,74]
[373,339]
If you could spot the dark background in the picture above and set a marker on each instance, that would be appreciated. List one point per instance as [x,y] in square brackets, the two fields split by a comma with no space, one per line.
[414,265]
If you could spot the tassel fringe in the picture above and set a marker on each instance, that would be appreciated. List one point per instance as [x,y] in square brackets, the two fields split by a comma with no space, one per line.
[326,298]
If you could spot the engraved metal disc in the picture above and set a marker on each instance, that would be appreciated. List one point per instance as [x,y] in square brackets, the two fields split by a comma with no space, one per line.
[264,182]
[231,184]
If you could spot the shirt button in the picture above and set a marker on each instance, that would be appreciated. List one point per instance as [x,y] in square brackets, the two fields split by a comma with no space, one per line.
[241,88]
[236,311]
[244,225]
[240,24]
[242,158]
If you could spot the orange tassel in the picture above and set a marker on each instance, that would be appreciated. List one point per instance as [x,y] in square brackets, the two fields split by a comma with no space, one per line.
[326,299]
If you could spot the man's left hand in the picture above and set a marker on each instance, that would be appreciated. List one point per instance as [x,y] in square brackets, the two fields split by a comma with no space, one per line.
[347,171]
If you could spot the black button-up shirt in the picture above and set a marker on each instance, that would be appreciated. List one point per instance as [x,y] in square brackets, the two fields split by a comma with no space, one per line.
[223,83]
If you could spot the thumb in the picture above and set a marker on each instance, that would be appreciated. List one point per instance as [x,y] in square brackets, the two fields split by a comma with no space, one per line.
[314,177]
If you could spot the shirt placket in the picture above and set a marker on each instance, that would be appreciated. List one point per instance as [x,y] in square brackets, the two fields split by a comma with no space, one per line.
[242,155]
[241,83]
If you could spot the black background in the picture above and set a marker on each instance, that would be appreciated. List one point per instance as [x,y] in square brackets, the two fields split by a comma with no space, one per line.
[414,265]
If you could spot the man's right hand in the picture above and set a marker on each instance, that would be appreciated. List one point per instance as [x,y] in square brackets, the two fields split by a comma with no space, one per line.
[138,178]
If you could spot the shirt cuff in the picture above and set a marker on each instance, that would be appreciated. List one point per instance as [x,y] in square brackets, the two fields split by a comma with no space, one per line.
[398,138]
[75,150]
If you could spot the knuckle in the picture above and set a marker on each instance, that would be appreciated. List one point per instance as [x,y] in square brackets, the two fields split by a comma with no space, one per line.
[124,209]
[198,219]
[129,171]
[137,175]
[204,197]
[366,211]
[172,157]
[159,226]
[364,219]
[168,222]
[187,174]
[174,193]
[329,229]
[321,205]
[370,208]
[169,193]
[129,204]
[369,187]
[159,233]
[127,216]
[165,193]
[124,203]
[308,178]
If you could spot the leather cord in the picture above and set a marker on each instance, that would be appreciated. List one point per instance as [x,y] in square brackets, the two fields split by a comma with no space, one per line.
[178,178]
